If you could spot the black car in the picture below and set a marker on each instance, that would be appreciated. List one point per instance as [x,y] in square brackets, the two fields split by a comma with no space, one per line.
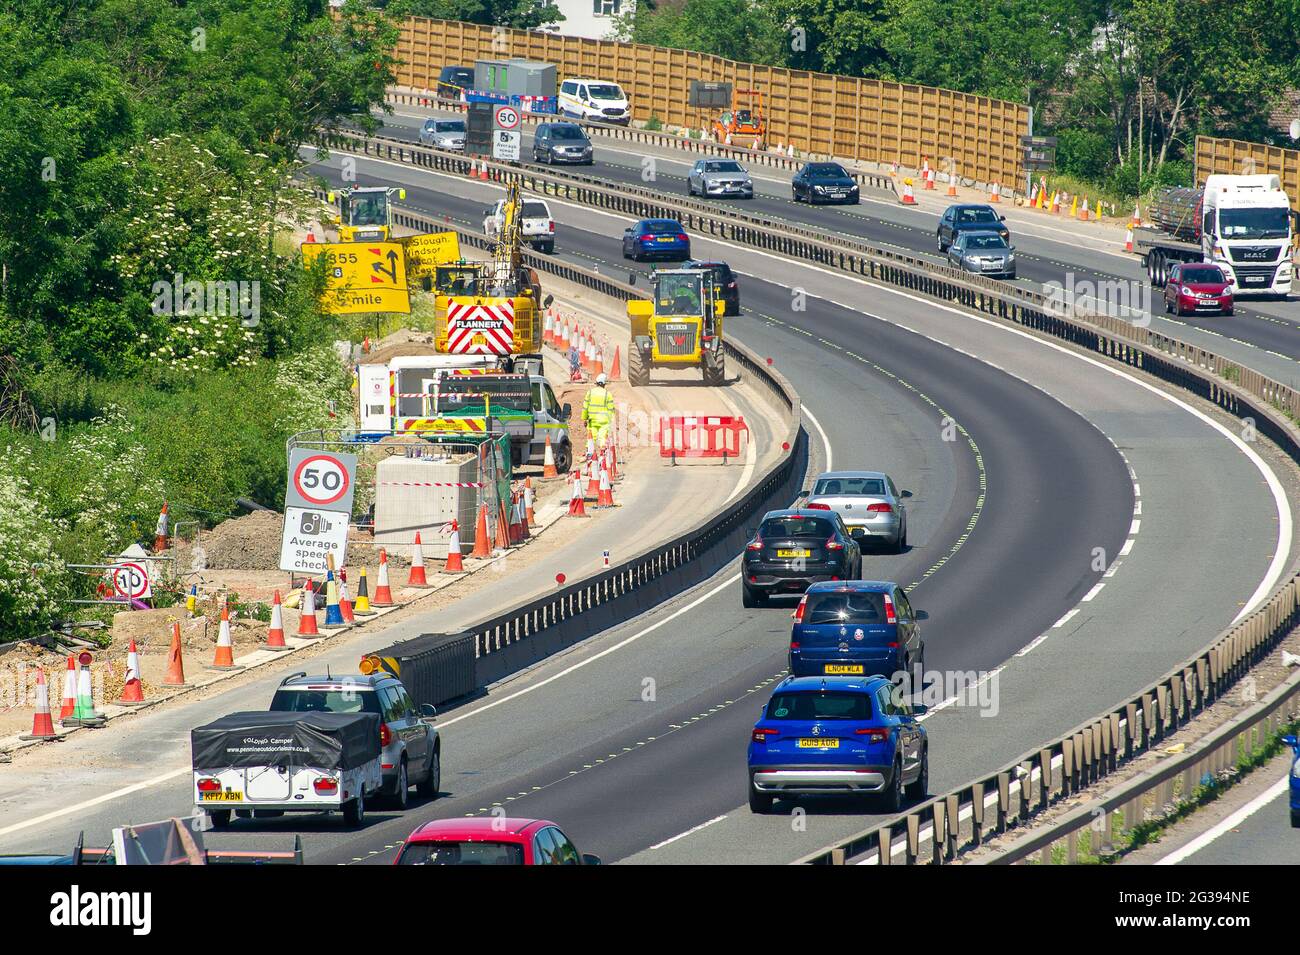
[561,142]
[724,280]
[824,182]
[963,218]
[794,548]
[453,79]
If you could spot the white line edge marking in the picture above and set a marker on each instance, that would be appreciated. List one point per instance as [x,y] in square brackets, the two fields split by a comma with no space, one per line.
[689,832]
[1234,820]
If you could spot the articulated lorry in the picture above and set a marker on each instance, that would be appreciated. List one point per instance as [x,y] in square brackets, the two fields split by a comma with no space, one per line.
[1242,224]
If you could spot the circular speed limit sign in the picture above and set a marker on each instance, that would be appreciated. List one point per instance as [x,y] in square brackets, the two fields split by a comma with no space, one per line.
[507,117]
[321,479]
[130,581]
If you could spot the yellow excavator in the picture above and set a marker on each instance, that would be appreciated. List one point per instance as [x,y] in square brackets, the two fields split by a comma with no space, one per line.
[366,213]
[680,327]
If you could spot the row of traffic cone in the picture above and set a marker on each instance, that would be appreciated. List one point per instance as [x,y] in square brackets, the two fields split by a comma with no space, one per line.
[557,333]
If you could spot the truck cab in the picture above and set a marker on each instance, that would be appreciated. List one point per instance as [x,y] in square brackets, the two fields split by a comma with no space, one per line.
[1246,231]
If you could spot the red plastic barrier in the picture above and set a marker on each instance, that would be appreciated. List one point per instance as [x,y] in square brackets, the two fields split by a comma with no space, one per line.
[701,437]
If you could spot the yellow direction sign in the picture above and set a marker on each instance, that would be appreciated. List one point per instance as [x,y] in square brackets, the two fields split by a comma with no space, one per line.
[361,276]
[425,252]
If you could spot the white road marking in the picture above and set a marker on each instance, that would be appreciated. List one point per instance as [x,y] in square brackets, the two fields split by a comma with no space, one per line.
[1128,547]
[1065,619]
[688,832]
[1232,822]
[1092,593]
[826,442]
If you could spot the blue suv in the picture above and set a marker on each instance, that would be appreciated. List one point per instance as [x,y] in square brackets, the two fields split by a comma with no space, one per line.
[838,735]
[855,628]
[1295,779]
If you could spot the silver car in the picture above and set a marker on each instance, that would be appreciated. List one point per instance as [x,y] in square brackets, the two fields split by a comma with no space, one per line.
[411,748]
[867,501]
[719,177]
[984,252]
[444,134]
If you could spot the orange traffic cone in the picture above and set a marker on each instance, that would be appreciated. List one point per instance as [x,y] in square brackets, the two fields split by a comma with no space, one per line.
[1056,203]
[275,635]
[952,182]
[593,479]
[132,689]
[224,657]
[503,526]
[175,660]
[43,721]
[996,194]
[70,690]
[548,462]
[383,592]
[605,497]
[1083,212]
[307,621]
[529,516]
[929,178]
[455,564]
[482,546]
[516,525]
[908,199]
[616,366]
[598,363]
[1128,239]
[577,506]
[160,531]
[1136,221]
[345,603]
[417,577]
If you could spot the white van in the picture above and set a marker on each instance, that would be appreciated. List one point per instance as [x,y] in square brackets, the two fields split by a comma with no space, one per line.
[596,100]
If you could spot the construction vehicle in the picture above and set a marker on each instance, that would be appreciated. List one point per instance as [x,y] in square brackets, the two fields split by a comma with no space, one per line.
[1242,224]
[366,213]
[680,327]
[742,126]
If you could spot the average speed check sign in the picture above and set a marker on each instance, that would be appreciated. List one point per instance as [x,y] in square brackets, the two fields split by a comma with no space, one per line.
[505,145]
[321,479]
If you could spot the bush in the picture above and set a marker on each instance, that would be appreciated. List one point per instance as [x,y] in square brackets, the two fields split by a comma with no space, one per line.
[1083,153]
[33,581]
[654,124]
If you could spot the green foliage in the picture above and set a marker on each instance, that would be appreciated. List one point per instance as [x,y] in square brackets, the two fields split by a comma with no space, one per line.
[32,579]
[519,14]
[1083,153]
[738,29]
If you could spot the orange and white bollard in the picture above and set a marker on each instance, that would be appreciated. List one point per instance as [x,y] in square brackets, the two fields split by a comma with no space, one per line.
[455,563]
[275,633]
[132,689]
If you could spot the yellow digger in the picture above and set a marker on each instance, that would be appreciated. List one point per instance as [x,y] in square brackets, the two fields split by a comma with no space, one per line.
[366,213]
[680,327]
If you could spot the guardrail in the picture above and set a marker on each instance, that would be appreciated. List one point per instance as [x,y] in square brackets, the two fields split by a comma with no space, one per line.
[659,139]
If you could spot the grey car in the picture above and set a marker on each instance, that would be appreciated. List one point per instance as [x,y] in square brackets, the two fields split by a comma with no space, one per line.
[411,748]
[986,253]
[719,177]
[868,502]
[561,142]
[444,134]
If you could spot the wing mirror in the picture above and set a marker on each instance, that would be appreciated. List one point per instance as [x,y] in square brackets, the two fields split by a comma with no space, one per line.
[920,709]
[904,493]
[1002,218]
[546,302]
[566,411]
[428,711]
[921,614]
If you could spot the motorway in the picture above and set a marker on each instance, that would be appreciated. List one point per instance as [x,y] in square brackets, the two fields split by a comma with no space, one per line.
[1058,535]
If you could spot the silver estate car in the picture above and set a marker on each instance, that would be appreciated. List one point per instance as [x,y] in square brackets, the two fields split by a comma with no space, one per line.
[719,177]
[867,501]
[444,134]
[411,751]
[984,252]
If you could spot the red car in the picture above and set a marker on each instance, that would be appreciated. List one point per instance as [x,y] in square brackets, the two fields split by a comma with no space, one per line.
[491,840]
[1195,287]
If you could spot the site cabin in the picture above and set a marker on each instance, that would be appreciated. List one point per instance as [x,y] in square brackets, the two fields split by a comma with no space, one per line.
[264,764]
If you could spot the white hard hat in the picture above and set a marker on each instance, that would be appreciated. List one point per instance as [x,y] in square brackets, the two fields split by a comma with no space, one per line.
[600,379]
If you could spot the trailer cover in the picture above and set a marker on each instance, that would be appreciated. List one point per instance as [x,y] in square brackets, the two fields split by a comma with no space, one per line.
[335,741]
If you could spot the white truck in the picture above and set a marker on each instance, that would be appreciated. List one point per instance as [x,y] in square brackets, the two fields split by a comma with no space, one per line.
[537,225]
[1242,224]
[264,764]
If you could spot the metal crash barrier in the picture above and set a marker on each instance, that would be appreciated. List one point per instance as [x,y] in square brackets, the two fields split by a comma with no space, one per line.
[715,436]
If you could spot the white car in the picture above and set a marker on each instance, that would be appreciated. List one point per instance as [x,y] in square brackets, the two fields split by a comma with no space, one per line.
[600,101]
[537,223]
[868,502]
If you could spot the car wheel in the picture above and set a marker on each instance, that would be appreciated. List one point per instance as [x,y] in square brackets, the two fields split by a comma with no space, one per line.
[891,800]
[751,598]
[221,818]
[919,788]
[1227,311]
[938,239]
[548,247]
[563,458]
[402,794]
[433,780]
[760,802]
[794,195]
[1295,819]
[900,545]
[354,813]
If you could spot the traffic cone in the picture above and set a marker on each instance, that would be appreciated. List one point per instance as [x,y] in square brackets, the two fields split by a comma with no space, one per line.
[564,337]
[333,616]
[473,169]
[454,564]
[175,660]
[160,531]
[224,657]
[908,198]
[1074,207]
[952,182]
[482,546]
[1136,221]
[275,634]
[929,179]
[516,530]
[616,366]
[592,367]
[43,721]
[577,507]
[311,237]
[383,592]
[1128,239]
[593,479]
[362,607]
[529,516]
[503,526]
[925,168]
[307,621]
[1083,213]
[613,462]
[605,497]
[69,690]
[85,711]
[1056,203]
[483,171]
[417,577]
[345,604]
[192,600]
[132,689]
[598,366]
[546,327]
[996,194]
[548,461]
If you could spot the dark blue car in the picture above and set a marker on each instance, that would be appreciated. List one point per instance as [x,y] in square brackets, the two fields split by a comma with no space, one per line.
[838,735]
[1295,779]
[856,628]
[656,239]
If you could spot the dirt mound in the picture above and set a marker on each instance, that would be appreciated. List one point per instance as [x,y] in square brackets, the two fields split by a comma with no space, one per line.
[251,542]
[402,342]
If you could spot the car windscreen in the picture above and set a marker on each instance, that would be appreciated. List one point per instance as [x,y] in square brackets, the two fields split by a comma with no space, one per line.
[450,126]
[662,226]
[460,76]
[846,608]
[568,133]
[796,527]
[346,700]
[851,486]
[1202,274]
[816,705]
[1254,223]
[976,215]
[985,242]
[827,171]
[722,167]
[604,91]
[536,210]
[461,853]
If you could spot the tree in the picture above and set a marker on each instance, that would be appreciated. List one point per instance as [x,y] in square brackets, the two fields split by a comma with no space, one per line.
[518,14]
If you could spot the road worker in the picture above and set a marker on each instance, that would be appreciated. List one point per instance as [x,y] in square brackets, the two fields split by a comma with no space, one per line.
[598,411]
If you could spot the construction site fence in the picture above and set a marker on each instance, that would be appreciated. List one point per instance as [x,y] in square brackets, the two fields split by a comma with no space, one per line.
[1242,158]
[866,120]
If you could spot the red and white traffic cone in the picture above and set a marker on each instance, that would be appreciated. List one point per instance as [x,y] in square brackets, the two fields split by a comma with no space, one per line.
[224,657]
[43,720]
[132,689]
[455,564]
[345,602]
[383,591]
[417,577]
[908,198]
[275,635]
[577,506]
[605,497]
[307,626]
[69,690]
[160,531]
[548,461]
[593,479]
[529,517]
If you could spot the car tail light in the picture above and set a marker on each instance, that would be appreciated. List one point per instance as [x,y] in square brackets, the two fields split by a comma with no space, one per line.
[794,644]
[818,507]
[550,226]
[833,544]
[208,786]
[879,509]
[874,734]
[325,786]
[681,237]
[755,544]
[798,611]
[385,735]
[761,733]
[890,616]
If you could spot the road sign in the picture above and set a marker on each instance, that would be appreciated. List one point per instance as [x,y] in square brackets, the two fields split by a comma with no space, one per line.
[321,479]
[505,145]
[424,253]
[310,534]
[361,276]
[131,581]
[506,117]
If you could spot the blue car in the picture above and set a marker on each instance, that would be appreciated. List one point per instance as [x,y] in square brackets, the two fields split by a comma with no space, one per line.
[856,628]
[838,735]
[656,239]
[1295,779]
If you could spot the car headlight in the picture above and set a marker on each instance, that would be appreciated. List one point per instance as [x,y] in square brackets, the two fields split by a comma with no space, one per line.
[971,258]
[1010,258]
[749,183]
[819,188]
[1185,290]
[853,188]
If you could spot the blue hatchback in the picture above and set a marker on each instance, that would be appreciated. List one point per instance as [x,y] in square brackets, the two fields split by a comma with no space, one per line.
[855,628]
[838,735]
[656,239]
[1295,779]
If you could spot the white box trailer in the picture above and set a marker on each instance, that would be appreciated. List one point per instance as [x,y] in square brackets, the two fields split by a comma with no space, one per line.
[270,763]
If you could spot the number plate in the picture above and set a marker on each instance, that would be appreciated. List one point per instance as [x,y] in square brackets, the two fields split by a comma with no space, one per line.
[794,553]
[818,743]
[667,238]
[833,669]
[230,796]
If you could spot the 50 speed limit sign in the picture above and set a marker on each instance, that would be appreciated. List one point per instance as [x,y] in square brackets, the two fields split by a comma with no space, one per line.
[507,117]
[321,479]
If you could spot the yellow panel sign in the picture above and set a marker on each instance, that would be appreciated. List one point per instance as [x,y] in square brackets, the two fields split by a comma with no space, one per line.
[424,253]
[361,276]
